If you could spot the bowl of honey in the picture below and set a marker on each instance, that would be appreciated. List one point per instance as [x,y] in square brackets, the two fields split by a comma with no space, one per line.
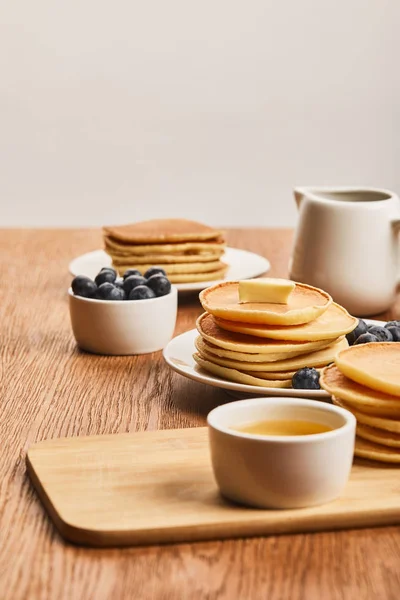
[281,452]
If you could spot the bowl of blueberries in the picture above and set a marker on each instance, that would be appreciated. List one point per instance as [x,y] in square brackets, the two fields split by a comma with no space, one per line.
[132,314]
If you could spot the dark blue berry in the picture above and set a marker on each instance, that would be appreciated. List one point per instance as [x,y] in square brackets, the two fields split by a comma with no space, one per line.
[130,272]
[159,284]
[361,328]
[141,292]
[133,281]
[393,324]
[306,379]
[366,338]
[154,271]
[116,294]
[381,333]
[108,269]
[106,276]
[119,283]
[395,331]
[84,286]
[104,290]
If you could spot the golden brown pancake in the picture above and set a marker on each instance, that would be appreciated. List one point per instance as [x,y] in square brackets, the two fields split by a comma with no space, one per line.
[368,419]
[195,277]
[233,375]
[320,358]
[372,451]
[160,259]
[177,277]
[215,246]
[174,269]
[239,342]
[188,251]
[375,365]
[204,346]
[358,396]
[285,375]
[333,323]
[305,304]
[162,231]
[379,436]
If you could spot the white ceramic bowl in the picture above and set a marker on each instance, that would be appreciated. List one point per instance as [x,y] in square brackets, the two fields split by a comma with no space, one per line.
[281,471]
[125,326]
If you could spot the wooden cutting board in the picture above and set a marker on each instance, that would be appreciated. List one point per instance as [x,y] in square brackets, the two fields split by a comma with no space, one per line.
[158,487]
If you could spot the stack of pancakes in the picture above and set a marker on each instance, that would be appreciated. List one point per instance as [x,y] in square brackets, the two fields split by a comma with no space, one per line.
[365,379]
[186,250]
[264,344]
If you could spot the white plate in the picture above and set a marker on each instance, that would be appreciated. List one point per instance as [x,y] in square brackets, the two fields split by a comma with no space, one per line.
[179,356]
[242,265]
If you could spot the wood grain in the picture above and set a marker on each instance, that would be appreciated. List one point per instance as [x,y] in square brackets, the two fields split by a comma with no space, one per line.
[49,389]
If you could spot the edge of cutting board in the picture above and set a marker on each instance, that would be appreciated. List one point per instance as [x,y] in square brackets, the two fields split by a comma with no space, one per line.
[232,528]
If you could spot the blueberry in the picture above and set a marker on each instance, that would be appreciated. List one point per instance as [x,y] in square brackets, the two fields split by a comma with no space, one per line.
[366,338]
[84,286]
[141,292]
[104,290]
[133,281]
[361,328]
[306,379]
[395,331]
[159,284]
[108,291]
[107,275]
[392,324]
[381,333]
[108,269]
[117,294]
[119,282]
[154,271]
[130,272]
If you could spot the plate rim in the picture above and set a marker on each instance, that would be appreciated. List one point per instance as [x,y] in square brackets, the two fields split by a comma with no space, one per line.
[196,286]
[242,387]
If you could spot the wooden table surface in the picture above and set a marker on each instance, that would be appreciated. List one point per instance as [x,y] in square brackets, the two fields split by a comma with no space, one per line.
[49,389]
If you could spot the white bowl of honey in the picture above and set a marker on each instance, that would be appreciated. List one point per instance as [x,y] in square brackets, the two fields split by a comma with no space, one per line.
[281,452]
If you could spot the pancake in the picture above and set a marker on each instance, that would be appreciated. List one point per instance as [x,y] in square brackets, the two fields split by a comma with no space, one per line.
[239,342]
[194,277]
[273,375]
[357,395]
[375,365]
[379,436]
[333,323]
[320,358]
[233,375]
[371,420]
[367,449]
[204,346]
[162,230]
[305,304]
[177,269]
[177,277]
[157,259]
[215,246]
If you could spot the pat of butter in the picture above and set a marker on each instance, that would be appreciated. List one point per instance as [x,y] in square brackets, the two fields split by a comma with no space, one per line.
[265,289]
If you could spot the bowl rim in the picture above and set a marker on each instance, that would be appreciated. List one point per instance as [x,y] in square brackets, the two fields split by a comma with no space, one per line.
[173,292]
[348,425]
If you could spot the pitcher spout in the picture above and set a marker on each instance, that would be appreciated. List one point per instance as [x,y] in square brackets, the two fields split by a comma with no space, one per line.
[299,193]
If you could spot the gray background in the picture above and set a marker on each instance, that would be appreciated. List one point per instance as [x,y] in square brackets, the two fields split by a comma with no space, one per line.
[117,111]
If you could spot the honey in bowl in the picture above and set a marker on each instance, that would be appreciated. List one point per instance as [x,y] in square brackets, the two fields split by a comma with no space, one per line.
[283,427]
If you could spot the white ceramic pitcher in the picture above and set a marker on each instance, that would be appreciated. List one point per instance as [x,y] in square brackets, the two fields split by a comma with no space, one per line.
[347,244]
